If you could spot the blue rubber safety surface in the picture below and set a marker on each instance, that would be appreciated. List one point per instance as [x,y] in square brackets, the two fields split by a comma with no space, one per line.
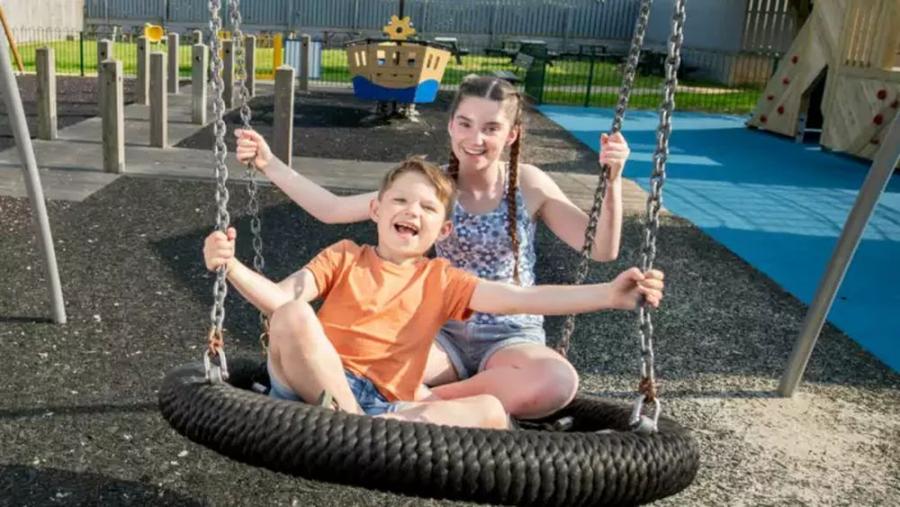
[777,204]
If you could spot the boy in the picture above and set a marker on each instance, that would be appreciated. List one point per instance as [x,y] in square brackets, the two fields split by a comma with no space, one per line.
[383,305]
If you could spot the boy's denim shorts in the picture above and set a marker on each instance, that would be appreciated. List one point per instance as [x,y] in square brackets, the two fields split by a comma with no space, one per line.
[470,345]
[370,400]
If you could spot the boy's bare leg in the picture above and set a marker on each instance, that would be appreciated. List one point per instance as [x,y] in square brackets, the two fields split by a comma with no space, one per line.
[483,411]
[304,359]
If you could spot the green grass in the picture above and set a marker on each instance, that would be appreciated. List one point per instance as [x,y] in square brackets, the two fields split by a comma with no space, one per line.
[565,81]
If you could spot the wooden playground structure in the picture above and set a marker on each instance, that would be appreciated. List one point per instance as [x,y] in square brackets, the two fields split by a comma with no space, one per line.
[846,57]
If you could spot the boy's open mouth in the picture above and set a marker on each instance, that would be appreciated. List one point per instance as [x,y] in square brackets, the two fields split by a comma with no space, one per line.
[404,228]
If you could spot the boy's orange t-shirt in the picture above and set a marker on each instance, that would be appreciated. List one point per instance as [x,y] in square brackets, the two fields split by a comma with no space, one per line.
[382,317]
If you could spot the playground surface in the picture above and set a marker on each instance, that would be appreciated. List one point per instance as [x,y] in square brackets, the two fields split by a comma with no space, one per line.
[779,205]
[78,417]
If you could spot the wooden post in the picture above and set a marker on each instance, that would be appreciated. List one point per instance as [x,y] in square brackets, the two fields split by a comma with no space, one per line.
[142,88]
[228,73]
[250,64]
[159,110]
[174,40]
[104,52]
[199,77]
[304,63]
[284,114]
[46,93]
[113,116]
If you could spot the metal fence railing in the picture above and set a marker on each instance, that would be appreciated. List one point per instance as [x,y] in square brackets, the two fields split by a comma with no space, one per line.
[727,82]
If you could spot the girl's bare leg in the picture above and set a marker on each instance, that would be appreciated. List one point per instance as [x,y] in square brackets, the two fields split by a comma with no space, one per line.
[482,411]
[530,380]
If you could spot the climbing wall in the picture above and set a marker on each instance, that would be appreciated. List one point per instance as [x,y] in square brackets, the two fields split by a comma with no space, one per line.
[863,92]
[814,49]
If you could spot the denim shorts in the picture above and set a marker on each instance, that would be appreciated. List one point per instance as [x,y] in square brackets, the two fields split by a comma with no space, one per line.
[470,345]
[370,400]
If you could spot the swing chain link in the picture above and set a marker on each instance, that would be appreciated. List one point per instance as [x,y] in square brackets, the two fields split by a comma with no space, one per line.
[215,349]
[634,55]
[647,386]
[259,262]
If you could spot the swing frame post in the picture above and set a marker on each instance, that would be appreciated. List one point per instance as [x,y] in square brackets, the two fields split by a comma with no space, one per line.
[876,181]
[10,91]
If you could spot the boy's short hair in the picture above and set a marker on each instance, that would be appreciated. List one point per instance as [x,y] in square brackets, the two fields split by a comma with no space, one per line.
[444,186]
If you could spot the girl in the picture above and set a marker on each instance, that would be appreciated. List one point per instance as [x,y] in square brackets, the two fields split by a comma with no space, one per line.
[494,223]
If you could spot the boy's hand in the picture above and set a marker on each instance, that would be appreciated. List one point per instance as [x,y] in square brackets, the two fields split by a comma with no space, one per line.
[218,249]
[614,152]
[631,286]
[251,147]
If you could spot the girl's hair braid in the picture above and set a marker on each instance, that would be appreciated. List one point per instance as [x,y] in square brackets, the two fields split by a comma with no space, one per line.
[511,208]
[453,167]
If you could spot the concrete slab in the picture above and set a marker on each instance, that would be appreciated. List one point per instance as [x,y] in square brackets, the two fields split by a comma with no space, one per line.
[58,185]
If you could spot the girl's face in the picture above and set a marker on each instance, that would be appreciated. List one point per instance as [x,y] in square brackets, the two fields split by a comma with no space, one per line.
[479,131]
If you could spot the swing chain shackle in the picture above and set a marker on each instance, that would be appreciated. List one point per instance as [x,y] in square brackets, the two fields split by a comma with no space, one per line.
[647,385]
[215,350]
[628,75]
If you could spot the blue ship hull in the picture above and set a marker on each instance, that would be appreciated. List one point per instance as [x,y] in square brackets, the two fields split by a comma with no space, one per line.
[426,91]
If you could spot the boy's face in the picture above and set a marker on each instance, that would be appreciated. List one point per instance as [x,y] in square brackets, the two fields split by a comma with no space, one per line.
[410,217]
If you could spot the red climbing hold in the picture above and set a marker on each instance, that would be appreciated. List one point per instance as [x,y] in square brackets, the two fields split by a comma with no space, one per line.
[780,109]
[763,118]
[875,141]
[878,119]
[795,59]
[786,80]
[770,97]
[895,103]
[882,94]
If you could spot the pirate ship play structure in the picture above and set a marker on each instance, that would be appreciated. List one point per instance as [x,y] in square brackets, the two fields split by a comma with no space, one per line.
[397,69]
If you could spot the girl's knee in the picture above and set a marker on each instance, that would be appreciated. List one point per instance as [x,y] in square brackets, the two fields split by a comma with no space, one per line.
[552,384]
[564,379]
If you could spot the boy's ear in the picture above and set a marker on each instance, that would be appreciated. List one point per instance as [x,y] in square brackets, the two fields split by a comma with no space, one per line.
[373,210]
[446,229]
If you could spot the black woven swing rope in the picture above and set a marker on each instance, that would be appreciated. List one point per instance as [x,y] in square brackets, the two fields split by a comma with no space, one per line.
[628,75]
[598,462]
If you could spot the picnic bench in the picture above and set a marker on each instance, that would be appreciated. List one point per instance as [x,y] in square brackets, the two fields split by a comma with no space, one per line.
[521,61]
[453,45]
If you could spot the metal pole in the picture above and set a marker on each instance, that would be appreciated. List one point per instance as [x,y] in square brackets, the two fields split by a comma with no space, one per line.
[81,51]
[587,95]
[882,167]
[16,113]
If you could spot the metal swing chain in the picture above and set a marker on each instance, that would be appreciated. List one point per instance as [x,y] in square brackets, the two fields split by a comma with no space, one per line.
[647,386]
[628,75]
[259,262]
[215,347]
